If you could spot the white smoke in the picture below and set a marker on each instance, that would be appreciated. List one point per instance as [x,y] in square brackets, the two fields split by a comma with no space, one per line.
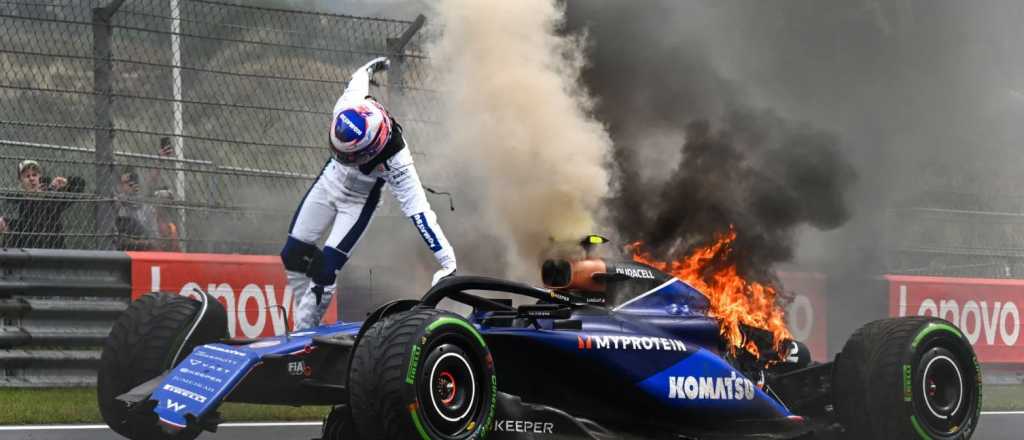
[518,123]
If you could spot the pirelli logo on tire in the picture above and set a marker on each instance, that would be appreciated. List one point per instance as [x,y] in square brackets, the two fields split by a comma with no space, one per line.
[414,360]
[908,386]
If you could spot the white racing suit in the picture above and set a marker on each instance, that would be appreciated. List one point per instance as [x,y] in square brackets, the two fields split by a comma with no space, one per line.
[344,198]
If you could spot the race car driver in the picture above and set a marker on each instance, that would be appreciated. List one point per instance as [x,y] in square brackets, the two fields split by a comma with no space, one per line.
[367,152]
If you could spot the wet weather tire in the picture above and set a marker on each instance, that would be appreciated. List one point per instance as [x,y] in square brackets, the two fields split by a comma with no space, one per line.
[339,425]
[422,374]
[141,346]
[913,377]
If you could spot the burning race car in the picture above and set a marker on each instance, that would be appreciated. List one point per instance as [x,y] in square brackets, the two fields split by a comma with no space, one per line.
[606,350]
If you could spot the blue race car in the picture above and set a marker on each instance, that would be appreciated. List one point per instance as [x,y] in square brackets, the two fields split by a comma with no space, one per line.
[606,350]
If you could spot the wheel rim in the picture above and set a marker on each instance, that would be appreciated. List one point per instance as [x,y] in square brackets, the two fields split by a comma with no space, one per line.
[943,387]
[450,400]
[451,388]
[944,397]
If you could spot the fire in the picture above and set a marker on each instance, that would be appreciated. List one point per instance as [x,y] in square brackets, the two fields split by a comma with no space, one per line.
[733,299]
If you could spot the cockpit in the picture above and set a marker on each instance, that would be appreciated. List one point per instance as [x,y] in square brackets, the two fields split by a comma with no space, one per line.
[600,279]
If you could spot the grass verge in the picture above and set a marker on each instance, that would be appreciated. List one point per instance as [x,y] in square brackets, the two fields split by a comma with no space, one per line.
[1003,398]
[37,406]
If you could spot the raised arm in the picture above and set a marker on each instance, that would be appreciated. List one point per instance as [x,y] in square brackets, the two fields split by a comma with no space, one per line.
[359,85]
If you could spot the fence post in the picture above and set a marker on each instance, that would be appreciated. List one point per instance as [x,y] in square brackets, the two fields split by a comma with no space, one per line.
[396,50]
[102,33]
[179,124]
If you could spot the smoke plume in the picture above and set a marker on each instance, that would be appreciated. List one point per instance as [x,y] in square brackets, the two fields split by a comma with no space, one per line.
[517,125]
[692,157]
[751,171]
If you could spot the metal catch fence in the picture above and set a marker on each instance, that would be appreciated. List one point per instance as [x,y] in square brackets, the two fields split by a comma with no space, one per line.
[958,235]
[190,125]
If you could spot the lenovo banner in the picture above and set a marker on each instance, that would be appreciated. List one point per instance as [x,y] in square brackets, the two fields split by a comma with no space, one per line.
[806,315]
[986,310]
[252,288]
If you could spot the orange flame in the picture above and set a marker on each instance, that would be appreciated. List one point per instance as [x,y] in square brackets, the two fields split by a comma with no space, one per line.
[733,299]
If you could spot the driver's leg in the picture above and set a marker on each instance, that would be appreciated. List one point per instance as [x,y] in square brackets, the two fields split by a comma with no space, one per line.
[300,254]
[350,222]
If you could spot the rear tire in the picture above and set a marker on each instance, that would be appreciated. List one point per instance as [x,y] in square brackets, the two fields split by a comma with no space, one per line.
[422,374]
[141,346]
[913,377]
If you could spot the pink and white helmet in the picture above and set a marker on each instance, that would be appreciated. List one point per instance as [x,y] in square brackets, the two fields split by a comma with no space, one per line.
[360,132]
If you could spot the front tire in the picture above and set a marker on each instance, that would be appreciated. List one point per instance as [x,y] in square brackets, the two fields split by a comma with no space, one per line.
[422,374]
[142,345]
[913,377]
[339,425]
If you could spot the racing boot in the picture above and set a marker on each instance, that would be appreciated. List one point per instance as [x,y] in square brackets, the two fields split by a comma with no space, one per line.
[311,306]
[298,282]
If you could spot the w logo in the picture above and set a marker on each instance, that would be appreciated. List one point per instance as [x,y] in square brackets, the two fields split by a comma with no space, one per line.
[175,406]
[585,343]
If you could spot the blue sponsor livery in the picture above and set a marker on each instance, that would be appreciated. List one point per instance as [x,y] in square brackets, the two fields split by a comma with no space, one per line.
[428,235]
[201,381]
[350,126]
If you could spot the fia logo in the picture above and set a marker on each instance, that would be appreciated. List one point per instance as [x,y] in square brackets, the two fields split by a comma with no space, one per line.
[299,369]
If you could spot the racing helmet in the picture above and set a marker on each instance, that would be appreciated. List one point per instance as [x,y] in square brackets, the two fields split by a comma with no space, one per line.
[359,132]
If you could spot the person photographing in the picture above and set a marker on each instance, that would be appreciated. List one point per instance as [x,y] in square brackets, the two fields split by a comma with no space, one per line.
[39,208]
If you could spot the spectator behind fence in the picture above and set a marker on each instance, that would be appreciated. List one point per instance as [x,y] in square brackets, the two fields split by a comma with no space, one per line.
[39,208]
[136,219]
[138,223]
[167,227]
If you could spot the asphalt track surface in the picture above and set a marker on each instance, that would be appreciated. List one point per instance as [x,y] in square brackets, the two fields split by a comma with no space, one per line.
[994,426]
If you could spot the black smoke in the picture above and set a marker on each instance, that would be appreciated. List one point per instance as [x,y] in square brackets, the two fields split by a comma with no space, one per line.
[753,172]
[736,165]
